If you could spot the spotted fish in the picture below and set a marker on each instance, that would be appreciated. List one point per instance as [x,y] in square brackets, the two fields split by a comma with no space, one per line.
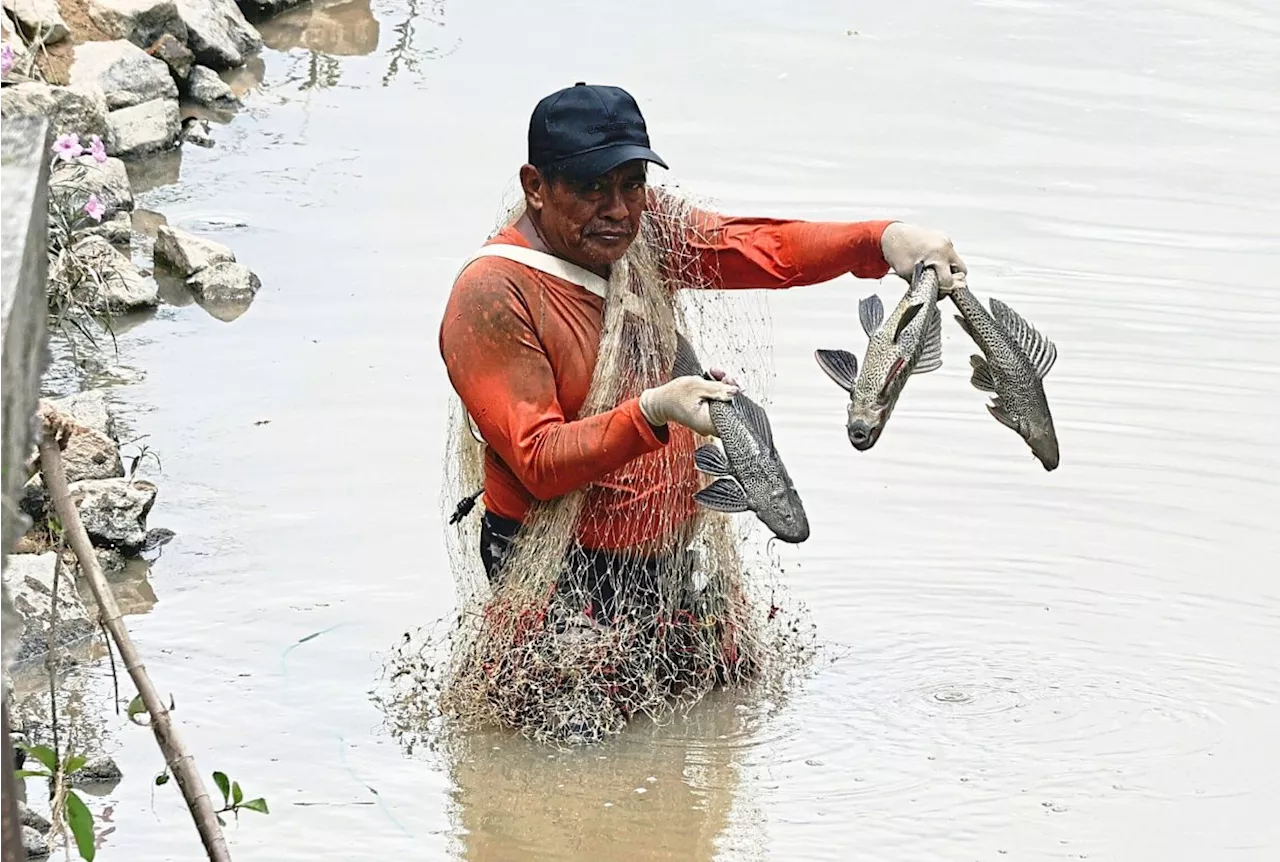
[908,342]
[749,474]
[1014,361]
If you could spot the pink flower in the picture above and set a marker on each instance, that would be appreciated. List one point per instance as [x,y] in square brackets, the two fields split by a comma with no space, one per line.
[97,149]
[94,208]
[67,147]
[6,58]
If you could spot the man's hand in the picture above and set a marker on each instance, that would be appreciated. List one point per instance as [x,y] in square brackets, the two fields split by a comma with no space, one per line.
[905,245]
[684,401]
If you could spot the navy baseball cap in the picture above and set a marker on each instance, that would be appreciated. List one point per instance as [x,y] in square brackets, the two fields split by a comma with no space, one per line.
[587,130]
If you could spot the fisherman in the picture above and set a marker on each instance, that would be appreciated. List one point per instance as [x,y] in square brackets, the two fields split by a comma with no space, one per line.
[522,327]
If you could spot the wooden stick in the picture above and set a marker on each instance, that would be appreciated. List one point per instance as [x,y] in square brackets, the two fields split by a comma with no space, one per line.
[179,761]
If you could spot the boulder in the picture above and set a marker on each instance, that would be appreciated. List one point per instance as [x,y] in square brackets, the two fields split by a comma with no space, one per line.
[142,22]
[186,253]
[39,18]
[218,32]
[146,128]
[29,578]
[195,130]
[89,453]
[117,230]
[99,768]
[205,88]
[114,511]
[175,54]
[88,408]
[124,288]
[34,819]
[127,74]
[76,109]
[35,845]
[83,177]
[225,282]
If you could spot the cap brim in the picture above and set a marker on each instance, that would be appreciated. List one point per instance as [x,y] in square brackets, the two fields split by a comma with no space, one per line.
[587,166]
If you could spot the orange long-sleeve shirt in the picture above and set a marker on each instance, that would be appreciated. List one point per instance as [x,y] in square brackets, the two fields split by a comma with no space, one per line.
[520,347]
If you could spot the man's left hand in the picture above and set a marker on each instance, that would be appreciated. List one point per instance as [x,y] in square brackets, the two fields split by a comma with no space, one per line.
[905,245]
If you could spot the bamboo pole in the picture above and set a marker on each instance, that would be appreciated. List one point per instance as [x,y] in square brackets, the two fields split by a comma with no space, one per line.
[179,761]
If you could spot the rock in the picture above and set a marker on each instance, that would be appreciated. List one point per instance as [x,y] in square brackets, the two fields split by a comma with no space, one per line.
[20,52]
[39,18]
[142,22]
[34,819]
[114,511]
[225,283]
[218,32]
[177,56]
[76,109]
[205,88]
[186,253]
[88,408]
[30,581]
[124,288]
[195,130]
[117,230]
[260,9]
[89,453]
[33,843]
[35,501]
[127,74]
[146,128]
[83,177]
[96,769]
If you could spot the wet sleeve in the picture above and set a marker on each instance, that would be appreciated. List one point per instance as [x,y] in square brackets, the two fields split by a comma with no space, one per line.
[737,253]
[500,370]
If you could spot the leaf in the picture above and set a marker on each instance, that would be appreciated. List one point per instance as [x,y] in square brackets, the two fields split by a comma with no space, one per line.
[31,773]
[73,764]
[221,822]
[162,779]
[81,823]
[136,707]
[223,784]
[45,755]
[259,805]
[237,795]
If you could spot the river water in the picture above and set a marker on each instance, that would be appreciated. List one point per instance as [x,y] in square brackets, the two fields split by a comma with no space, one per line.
[1082,664]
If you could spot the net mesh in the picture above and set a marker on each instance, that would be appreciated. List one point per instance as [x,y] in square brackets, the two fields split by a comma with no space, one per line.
[541,652]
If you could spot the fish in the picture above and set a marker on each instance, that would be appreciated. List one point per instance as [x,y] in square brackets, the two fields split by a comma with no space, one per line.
[908,342]
[749,474]
[1014,361]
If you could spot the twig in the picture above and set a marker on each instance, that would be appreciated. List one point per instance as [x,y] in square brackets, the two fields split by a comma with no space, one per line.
[179,761]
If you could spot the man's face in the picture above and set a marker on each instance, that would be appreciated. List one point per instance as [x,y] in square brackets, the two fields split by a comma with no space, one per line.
[593,223]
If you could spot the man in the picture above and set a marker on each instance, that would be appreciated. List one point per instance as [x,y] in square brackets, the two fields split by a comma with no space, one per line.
[521,330]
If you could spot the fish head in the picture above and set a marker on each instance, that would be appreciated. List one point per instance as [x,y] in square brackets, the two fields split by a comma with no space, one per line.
[783,513]
[1043,440]
[869,409]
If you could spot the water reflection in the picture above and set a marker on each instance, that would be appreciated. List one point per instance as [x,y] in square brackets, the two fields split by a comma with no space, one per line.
[342,28]
[602,802]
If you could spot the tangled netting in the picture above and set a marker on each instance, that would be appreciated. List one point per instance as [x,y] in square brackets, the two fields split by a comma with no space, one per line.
[532,653]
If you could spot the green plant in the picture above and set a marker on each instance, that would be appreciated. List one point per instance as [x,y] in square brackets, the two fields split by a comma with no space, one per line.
[66,804]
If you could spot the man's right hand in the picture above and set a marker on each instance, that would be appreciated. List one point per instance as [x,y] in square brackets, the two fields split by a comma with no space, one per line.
[684,401]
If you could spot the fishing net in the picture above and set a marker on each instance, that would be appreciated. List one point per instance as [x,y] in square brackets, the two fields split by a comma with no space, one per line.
[561,651]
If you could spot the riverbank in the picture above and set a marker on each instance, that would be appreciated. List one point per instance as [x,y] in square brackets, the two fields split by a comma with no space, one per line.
[125,85]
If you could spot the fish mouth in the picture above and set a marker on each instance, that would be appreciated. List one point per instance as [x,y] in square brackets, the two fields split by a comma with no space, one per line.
[862,436]
[1047,455]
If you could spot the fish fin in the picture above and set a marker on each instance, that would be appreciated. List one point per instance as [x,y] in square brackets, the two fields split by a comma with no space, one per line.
[981,378]
[964,324]
[870,313]
[723,495]
[931,350]
[996,409]
[908,315]
[755,417]
[1039,350]
[686,362]
[840,365]
[710,459]
[894,370]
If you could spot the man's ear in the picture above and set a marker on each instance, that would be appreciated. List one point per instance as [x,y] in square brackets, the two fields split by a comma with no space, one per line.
[535,187]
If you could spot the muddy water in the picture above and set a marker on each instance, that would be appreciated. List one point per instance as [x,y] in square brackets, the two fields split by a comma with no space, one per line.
[1073,665]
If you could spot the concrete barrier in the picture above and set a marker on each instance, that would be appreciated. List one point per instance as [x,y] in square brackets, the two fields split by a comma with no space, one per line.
[24,342]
